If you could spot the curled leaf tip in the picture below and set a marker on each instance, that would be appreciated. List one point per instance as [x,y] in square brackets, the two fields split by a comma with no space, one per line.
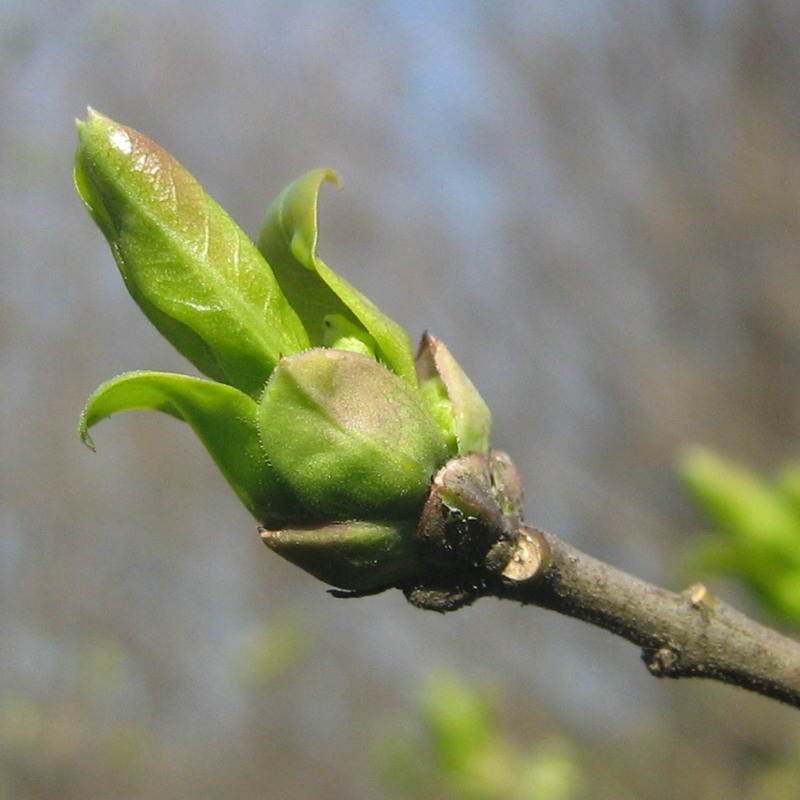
[85,437]
[332,177]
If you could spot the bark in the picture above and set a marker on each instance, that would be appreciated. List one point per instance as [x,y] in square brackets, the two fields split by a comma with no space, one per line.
[691,634]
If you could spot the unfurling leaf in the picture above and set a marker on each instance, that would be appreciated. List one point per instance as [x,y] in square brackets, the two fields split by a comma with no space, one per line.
[188,265]
[224,418]
[288,240]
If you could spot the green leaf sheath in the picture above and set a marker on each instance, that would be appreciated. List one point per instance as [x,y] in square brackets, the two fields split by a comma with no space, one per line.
[353,440]
[288,240]
[224,418]
[191,269]
[351,555]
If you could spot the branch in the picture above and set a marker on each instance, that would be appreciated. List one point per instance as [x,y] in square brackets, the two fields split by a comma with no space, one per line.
[471,542]
[681,635]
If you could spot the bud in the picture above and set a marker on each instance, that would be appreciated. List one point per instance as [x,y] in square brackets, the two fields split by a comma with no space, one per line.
[469,532]
[351,439]
[363,468]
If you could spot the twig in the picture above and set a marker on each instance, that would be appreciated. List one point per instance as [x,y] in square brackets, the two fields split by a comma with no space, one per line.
[681,635]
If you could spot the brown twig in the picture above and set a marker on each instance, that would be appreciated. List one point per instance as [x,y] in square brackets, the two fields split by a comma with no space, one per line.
[691,634]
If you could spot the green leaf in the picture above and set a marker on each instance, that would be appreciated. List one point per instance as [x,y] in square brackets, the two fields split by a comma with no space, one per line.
[224,418]
[739,502]
[459,720]
[352,439]
[758,536]
[342,334]
[288,240]
[434,395]
[191,269]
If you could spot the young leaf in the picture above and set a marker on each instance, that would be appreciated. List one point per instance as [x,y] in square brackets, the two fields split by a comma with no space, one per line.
[288,240]
[224,419]
[758,529]
[341,334]
[740,503]
[191,269]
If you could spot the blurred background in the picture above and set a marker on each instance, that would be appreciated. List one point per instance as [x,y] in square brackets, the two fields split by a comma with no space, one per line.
[594,203]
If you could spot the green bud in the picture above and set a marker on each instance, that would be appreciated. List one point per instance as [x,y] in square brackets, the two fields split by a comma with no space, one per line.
[365,469]
[351,439]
